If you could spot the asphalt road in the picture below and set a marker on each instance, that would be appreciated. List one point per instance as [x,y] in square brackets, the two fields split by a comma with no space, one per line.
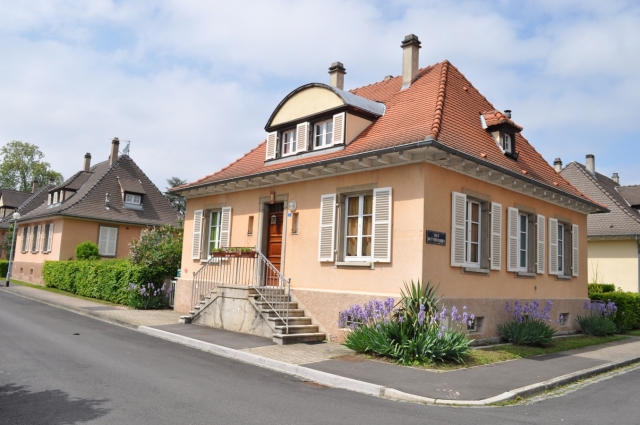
[113,375]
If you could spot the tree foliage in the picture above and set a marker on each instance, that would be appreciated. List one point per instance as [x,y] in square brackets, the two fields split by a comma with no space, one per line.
[159,251]
[22,163]
[178,202]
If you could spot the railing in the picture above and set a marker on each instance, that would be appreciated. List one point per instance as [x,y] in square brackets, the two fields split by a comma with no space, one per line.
[244,269]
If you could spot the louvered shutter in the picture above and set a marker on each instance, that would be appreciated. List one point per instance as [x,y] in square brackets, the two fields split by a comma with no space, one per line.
[338,128]
[272,140]
[553,246]
[50,241]
[103,237]
[327,223]
[540,244]
[458,214]
[382,203]
[496,236]
[225,227]
[302,137]
[197,233]
[112,240]
[39,239]
[575,259]
[512,247]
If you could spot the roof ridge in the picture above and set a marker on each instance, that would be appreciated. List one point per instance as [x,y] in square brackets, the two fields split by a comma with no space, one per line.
[148,180]
[437,115]
[471,86]
[35,194]
[421,71]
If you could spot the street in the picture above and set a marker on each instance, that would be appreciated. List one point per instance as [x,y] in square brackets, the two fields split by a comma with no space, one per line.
[58,367]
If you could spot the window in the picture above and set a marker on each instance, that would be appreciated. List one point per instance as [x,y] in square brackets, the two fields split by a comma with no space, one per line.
[214,231]
[322,135]
[107,241]
[47,238]
[358,225]
[25,239]
[294,223]
[561,248]
[472,234]
[507,144]
[288,142]
[523,242]
[55,197]
[250,226]
[35,233]
[130,198]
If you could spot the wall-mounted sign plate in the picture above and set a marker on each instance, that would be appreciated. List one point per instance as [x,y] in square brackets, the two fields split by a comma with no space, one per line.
[436,238]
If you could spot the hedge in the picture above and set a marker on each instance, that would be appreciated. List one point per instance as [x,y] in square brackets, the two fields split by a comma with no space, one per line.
[105,279]
[4,267]
[598,288]
[627,303]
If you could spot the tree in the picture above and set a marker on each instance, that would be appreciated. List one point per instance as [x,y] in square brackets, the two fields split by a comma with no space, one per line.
[178,202]
[22,164]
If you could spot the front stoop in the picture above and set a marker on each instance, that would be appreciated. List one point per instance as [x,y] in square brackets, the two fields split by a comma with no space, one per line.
[301,327]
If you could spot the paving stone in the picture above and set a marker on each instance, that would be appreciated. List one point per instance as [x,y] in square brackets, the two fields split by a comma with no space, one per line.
[302,353]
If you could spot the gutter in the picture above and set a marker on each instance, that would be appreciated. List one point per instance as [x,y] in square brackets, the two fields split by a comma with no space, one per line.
[428,142]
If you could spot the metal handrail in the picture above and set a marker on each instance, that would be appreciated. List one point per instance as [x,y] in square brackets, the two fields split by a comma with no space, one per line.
[277,294]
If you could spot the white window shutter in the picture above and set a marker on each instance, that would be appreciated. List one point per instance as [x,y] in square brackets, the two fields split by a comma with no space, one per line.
[272,140]
[575,259]
[302,137]
[326,244]
[540,244]
[39,238]
[50,241]
[103,240]
[512,248]
[553,246]
[112,240]
[197,234]
[225,227]
[382,203]
[496,236]
[458,214]
[338,128]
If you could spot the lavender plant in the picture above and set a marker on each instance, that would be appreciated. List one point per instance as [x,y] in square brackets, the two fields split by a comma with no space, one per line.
[148,296]
[599,319]
[529,324]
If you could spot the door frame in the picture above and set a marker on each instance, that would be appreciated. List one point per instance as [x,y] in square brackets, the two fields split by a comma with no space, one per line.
[263,227]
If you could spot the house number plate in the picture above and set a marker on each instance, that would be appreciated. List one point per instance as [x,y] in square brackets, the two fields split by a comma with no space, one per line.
[437,238]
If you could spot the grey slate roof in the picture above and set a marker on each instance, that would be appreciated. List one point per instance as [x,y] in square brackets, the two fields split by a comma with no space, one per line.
[621,220]
[13,198]
[89,200]
[631,194]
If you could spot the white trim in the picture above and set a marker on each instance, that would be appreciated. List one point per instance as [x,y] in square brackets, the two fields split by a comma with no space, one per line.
[553,247]
[458,215]
[225,227]
[540,244]
[527,236]
[575,250]
[496,236]
[339,127]
[381,226]
[302,137]
[326,238]
[513,239]
[272,141]
[196,239]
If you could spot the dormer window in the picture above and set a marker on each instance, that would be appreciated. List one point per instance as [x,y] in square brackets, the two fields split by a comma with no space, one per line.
[288,142]
[323,134]
[503,130]
[507,143]
[133,199]
[55,197]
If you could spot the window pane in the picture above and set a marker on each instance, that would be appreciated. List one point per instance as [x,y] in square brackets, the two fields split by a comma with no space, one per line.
[354,204]
[368,204]
[366,225]
[474,253]
[352,226]
[475,213]
[523,258]
[474,232]
[366,246]
[352,248]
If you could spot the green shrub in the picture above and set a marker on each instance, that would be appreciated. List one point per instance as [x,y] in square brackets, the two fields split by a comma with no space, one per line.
[628,303]
[146,296]
[87,251]
[596,325]
[159,249]
[106,280]
[529,325]
[600,288]
[4,267]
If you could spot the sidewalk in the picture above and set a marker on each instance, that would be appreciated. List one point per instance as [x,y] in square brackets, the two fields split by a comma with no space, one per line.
[334,365]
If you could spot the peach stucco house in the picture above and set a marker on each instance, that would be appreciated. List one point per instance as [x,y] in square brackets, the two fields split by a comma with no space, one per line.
[353,192]
[108,203]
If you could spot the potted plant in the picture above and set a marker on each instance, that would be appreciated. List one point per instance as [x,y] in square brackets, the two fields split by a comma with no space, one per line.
[232,252]
[218,252]
[247,252]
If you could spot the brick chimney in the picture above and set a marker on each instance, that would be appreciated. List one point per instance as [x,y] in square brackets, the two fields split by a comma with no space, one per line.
[115,144]
[557,164]
[34,186]
[336,75]
[591,164]
[410,59]
[87,162]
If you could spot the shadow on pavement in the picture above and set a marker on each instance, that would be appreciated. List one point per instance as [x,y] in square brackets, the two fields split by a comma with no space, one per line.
[19,406]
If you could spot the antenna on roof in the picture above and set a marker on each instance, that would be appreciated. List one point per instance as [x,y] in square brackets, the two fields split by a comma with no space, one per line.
[125,151]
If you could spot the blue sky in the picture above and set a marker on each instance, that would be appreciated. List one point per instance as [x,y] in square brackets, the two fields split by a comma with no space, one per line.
[192,83]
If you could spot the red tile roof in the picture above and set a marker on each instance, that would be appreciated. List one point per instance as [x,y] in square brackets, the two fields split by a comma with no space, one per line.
[441,103]
[496,118]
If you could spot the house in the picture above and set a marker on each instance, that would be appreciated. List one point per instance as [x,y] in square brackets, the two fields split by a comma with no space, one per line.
[354,192]
[32,201]
[108,203]
[10,200]
[613,238]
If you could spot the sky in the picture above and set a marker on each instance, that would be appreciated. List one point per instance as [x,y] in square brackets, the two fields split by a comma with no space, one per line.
[192,83]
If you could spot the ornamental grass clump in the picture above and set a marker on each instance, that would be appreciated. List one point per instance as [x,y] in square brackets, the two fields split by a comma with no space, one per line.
[148,296]
[599,321]
[529,325]
[412,331]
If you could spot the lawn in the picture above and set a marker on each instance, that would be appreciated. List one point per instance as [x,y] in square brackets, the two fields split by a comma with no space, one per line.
[56,291]
[635,332]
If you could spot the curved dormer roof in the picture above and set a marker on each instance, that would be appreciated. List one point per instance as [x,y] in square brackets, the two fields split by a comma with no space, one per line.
[315,98]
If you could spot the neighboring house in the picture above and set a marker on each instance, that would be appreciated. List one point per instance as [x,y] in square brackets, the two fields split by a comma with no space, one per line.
[108,203]
[413,177]
[34,200]
[614,237]
[10,200]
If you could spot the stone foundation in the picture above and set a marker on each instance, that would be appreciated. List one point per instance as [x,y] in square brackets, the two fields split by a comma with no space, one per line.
[27,272]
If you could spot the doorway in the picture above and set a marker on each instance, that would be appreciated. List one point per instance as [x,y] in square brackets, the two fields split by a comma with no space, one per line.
[275,220]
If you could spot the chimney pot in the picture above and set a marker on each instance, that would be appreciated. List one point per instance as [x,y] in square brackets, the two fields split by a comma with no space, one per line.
[410,59]
[557,164]
[507,113]
[616,178]
[591,164]
[336,75]
[115,144]
[34,186]
[87,162]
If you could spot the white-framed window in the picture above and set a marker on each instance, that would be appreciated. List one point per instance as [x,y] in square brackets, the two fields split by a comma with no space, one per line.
[523,242]
[561,248]
[55,197]
[35,238]
[288,142]
[323,134]
[25,239]
[47,238]
[131,198]
[358,227]
[472,233]
[214,231]
[107,241]
[507,144]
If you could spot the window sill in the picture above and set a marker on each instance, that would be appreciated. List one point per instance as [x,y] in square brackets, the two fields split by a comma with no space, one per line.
[475,270]
[132,207]
[527,275]
[562,277]
[353,264]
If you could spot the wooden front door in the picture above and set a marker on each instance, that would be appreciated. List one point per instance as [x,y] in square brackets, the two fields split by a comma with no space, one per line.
[275,219]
